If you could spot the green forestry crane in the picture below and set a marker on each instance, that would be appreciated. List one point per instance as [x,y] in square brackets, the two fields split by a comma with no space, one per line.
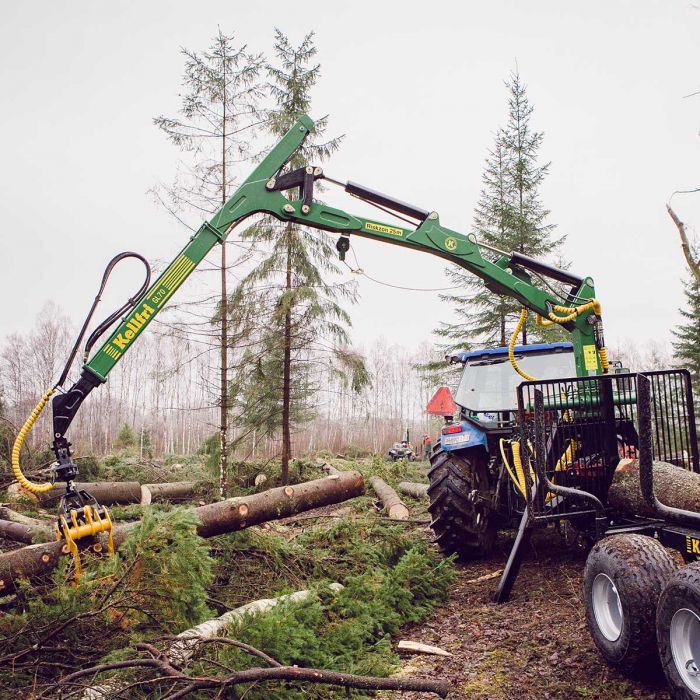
[571,430]
[263,192]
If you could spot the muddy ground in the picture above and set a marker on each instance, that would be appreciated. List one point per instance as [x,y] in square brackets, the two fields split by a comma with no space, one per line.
[535,646]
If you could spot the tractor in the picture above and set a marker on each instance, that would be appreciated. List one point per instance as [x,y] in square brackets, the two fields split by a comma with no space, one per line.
[520,453]
[469,496]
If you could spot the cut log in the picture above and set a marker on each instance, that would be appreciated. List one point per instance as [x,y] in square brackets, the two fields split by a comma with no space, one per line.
[411,488]
[108,493]
[175,491]
[673,486]
[15,517]
[214,519]
[19,532]
[111,493]
[393,505]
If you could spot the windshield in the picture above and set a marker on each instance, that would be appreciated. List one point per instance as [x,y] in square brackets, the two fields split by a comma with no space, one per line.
[491,385]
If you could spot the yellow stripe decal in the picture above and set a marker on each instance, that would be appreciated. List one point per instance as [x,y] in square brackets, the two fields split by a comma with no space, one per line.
[174,270]
[175,282]
[181,275]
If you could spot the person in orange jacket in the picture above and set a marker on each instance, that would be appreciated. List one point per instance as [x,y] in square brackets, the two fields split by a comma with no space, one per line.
[427,446]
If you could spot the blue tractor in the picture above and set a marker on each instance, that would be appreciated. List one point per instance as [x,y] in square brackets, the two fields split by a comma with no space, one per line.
[471,494]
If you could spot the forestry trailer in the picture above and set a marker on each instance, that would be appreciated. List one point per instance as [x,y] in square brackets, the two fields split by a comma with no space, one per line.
[519,454]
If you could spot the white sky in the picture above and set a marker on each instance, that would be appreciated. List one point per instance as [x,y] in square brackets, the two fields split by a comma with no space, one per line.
[416,87]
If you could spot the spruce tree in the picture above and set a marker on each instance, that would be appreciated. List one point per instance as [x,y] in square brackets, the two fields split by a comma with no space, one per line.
[301,326]
[219,110]
[687,344]
[509,216]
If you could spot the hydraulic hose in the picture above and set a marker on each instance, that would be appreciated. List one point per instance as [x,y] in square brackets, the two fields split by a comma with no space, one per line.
[571,313]
[30,486]
[515,479]
[511,347]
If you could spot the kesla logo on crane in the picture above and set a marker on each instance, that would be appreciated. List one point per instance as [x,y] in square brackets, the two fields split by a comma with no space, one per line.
[133,326]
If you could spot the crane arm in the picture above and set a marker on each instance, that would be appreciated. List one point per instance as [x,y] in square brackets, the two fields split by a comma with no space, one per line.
[266,191]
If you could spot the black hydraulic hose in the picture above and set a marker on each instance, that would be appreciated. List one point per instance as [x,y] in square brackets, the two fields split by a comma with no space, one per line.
[100,330]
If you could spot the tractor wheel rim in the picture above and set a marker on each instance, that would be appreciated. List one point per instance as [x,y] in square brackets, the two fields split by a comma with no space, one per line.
[607,607]
[685,647]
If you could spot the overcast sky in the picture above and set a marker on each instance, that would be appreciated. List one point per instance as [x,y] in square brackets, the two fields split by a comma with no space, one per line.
[417,89]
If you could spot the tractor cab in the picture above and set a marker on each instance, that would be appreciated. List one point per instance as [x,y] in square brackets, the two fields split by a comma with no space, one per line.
[487,391]
[487,398]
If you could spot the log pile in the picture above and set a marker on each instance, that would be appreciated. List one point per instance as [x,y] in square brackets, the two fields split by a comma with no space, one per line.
[214,519]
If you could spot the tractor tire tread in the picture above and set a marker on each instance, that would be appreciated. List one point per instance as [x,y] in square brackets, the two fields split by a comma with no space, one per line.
[639,566]
[452,479]
[682,590]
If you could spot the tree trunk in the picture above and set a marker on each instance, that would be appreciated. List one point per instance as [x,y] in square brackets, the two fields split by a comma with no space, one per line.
[223,427]
[412,489]
[287,372]
[390,499]
[673,486]
[9,514]
[184,646]
[214,519]
[106,492]
[175,491]
[28,534]
[692,263]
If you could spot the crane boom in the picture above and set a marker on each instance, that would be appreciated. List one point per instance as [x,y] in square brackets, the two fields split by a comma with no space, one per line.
[269,190]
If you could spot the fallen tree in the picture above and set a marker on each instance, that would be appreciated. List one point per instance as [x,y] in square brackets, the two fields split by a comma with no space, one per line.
[106,492]
[20,532]
[214,519]
[394,506]
[673,486]
[111,493]
[411,488]
[183,647]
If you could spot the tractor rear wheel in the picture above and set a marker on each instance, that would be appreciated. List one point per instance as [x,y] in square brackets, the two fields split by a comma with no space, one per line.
[459,493]
[622,582]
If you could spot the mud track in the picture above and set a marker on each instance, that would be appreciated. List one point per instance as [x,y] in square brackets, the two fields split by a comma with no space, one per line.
[534,647]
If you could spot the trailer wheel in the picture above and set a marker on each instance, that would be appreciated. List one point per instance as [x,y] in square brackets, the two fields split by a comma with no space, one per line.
[622,582]
[678,632]
[462,522]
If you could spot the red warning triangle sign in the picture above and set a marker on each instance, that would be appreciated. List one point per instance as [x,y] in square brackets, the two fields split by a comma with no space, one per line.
[442,403]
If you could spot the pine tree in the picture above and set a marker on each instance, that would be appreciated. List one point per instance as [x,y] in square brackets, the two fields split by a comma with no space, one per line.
[301,326]
[687,345]
[511,217]
[219,109]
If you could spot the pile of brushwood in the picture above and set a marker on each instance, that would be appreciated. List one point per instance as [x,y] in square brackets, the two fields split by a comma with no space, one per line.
[110,634]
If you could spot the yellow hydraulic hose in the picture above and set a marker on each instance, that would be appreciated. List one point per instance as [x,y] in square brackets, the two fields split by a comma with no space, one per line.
[571,313]
[17,448]
[515,479]
[511,349]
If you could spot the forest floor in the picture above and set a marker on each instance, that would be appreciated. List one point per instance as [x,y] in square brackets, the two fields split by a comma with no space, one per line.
[535,646]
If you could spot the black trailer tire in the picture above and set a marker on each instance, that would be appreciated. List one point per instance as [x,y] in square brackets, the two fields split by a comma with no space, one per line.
[678,632]
[462,525]
[622,582]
